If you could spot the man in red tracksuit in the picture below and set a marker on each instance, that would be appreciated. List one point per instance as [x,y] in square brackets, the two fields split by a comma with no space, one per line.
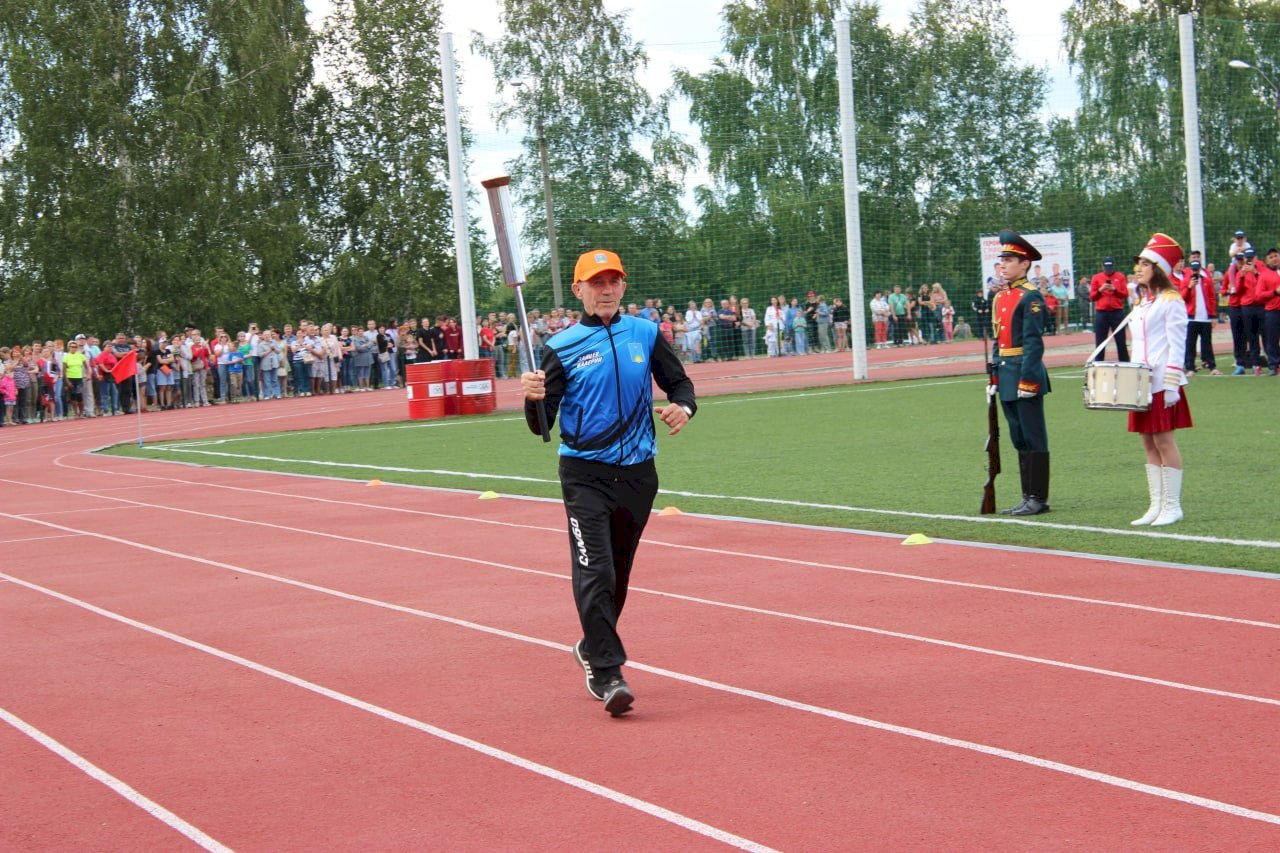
[1252,302]
[1269,290]
[1202,306]
[1109,293]
[1235,313]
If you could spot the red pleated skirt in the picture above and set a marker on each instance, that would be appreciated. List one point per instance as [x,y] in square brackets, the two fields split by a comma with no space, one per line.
[1161,419]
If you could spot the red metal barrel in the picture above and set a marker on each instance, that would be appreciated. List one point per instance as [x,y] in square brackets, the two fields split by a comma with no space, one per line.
[476,394]
[431,389]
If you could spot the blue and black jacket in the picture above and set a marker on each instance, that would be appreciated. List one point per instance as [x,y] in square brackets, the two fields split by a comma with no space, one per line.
[598,380]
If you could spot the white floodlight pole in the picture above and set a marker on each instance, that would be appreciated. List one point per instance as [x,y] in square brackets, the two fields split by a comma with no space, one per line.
[852,216]
[1191,131]
[461,238]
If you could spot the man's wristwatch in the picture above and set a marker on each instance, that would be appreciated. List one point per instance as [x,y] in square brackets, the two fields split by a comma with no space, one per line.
[688,411]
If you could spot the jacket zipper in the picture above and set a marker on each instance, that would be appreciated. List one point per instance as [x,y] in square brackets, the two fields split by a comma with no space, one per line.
[617,385]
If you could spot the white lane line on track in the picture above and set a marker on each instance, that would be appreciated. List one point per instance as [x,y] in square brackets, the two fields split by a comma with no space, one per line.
[127,429]
[40,538]
[91,770]
[708,602]
[1107,673]
[80,510]
[548,772]
[1146,608]
[841,716]
[975,519]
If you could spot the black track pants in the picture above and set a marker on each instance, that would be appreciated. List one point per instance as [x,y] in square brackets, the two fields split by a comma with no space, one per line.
[607,508]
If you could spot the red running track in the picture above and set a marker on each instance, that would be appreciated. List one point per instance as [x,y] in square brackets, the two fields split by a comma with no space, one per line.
[257,661]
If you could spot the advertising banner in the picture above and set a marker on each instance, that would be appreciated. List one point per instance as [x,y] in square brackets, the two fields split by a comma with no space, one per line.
[1057,261]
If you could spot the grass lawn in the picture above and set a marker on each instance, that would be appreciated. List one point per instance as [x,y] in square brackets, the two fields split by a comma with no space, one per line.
[861,456]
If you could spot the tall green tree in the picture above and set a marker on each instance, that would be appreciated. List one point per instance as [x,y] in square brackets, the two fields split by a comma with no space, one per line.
[615,167]
[141,182]
[970,127]
[391,233]
[947,121]
[768,112]
[1127,152]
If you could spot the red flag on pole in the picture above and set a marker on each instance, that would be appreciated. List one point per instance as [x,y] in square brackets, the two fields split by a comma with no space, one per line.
[125,368]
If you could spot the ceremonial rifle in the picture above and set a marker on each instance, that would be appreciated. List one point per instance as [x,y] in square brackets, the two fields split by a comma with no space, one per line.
[993,433]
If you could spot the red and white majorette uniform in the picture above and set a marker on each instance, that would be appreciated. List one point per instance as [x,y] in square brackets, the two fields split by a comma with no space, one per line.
[1159,329]
[1159,326]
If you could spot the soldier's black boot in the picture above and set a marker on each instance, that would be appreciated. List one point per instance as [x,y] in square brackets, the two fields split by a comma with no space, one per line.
[1038,488]
[1024,472]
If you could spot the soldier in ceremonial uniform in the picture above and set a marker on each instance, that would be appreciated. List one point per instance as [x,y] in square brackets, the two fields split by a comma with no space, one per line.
[1017,370]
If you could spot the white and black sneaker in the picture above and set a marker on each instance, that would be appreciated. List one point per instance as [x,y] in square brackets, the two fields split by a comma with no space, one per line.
[617,696]
[580,656]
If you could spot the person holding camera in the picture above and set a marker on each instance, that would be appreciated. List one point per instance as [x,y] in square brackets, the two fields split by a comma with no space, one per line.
[1235,313]
[1159,323]
[1198,294]
[1109,293]
[1252,307]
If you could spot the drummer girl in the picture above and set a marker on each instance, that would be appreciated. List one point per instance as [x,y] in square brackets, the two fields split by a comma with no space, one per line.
[1159,326]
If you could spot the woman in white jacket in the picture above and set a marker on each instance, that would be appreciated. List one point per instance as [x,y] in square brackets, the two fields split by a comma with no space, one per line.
[772,327]
[693,332]
[1159,326]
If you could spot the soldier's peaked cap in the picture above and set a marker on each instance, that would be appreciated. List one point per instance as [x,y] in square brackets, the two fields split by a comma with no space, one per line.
[1013,243]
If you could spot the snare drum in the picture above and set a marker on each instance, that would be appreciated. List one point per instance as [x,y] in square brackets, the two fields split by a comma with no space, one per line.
[1117,385]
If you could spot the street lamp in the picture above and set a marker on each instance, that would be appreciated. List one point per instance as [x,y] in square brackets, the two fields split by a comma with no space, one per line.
[556,293]
[1241,64]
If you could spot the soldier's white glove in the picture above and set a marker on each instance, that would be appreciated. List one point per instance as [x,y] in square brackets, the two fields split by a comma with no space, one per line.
[992,390]
[1171,397]
[1026,395]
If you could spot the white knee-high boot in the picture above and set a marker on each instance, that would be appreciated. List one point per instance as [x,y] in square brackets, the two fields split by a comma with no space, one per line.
[1155,485]
[1171,504]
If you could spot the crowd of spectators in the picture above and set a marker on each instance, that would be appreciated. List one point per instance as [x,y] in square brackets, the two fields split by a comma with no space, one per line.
[82,377]
[911,316]
[63,379]
[60,379]
[702,332]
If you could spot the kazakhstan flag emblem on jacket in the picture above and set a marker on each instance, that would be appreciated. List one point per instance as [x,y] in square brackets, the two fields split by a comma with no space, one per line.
[637,352]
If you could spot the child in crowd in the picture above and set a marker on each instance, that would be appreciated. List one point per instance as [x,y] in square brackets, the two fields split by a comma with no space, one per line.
[8,392]
[48,412]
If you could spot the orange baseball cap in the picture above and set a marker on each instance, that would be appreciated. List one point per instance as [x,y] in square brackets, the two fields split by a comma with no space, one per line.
[597,261]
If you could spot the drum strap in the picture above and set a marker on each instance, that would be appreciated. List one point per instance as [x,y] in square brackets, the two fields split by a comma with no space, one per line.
[1103,345]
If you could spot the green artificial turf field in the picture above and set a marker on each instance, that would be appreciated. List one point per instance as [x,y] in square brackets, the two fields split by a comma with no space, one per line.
[862,456]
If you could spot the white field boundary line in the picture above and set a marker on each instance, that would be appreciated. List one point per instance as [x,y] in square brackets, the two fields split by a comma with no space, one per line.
[543,770]
[829,713]
[481,422]
[348,430]
[358,467]
[1146,608]
[980,519]
[130,794]
[777,614]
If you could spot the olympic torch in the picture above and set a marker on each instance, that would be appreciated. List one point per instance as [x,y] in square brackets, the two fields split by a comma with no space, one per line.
[498,190]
